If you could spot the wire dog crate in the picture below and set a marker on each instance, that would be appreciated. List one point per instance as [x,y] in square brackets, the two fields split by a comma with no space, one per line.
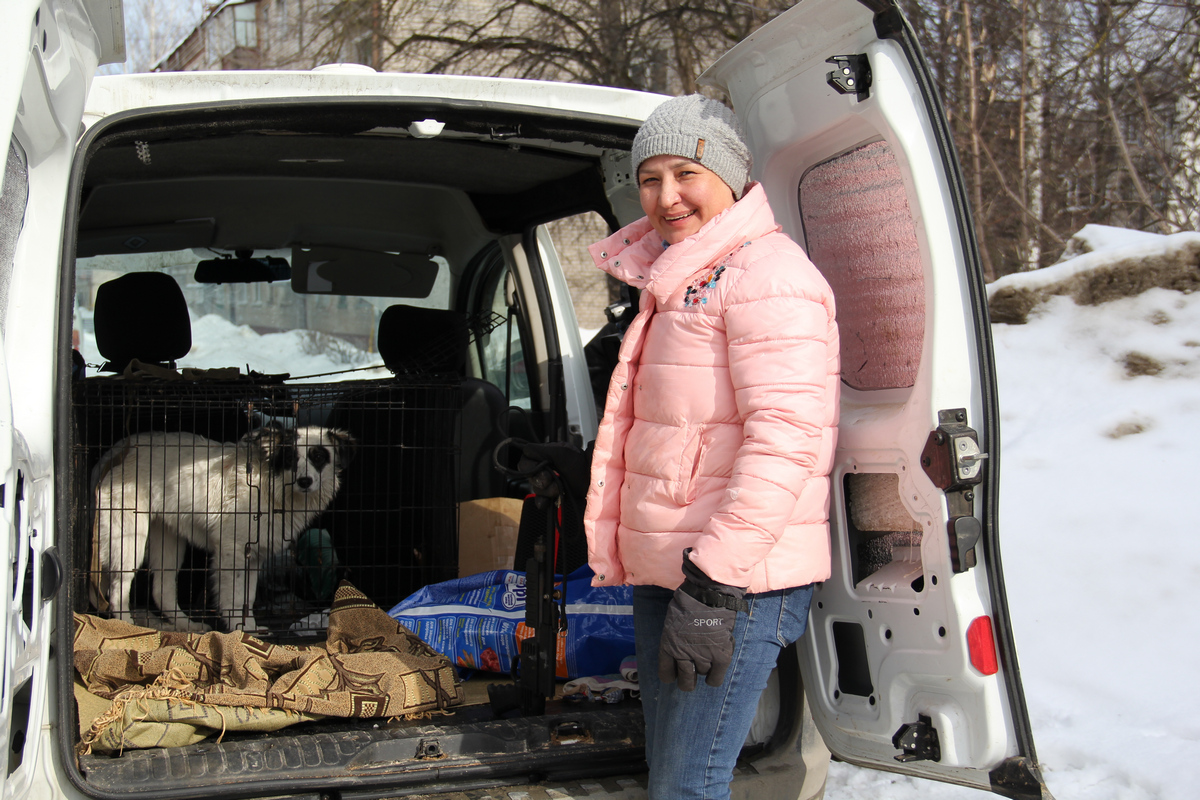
[223,488]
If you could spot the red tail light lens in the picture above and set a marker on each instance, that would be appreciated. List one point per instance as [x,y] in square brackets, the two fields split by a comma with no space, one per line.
[981,644]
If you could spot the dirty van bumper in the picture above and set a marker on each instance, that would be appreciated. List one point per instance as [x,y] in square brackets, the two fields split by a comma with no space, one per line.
[366,760]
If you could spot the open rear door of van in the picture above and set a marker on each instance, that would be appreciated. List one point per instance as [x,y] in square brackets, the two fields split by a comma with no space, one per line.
[24,618]
[49,50]
[909,663]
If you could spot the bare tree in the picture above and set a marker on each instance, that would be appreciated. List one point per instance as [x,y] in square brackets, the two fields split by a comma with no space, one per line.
[1067,113]
[645,44]
[1033,130]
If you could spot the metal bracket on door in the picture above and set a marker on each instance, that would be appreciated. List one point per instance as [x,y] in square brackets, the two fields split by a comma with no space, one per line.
[954,462]
[852,75]
[917,741]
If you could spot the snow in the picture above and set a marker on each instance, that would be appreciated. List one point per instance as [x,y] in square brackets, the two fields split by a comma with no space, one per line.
[1094,247]
[218,343]
[1100,549]
[1098,540]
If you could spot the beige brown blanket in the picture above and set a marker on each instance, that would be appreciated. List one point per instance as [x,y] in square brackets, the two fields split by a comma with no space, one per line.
[369,666]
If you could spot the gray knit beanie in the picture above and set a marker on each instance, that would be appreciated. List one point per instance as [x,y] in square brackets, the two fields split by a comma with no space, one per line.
[695,127]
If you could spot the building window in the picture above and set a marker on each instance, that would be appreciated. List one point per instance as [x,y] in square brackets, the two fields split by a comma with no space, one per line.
[245,25]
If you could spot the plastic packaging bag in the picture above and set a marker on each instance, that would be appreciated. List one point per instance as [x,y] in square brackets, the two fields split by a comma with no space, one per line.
[478,622]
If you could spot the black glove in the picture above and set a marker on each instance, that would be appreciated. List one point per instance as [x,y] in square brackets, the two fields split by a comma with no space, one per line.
[572,464]
[697,636]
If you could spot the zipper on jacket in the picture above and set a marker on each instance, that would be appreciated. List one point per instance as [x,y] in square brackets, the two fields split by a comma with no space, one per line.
[693,451]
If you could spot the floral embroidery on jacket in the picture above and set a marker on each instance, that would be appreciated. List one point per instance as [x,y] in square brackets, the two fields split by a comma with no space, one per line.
[697,293]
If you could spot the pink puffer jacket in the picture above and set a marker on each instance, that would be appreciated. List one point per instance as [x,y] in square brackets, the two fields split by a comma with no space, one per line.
[720,421]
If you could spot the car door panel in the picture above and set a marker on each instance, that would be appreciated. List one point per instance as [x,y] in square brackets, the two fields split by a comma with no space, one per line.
[49,51]
[868,182]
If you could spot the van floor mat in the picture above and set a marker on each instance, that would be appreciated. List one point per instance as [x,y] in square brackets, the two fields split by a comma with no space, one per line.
[405,758]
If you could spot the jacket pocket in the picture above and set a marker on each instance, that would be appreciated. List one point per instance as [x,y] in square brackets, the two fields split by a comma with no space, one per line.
[690,465]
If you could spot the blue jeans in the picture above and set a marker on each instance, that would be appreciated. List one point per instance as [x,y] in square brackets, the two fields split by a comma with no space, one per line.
[693,738]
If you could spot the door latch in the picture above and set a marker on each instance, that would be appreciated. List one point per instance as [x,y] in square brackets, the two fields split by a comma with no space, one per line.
[917,741]
[954,462]
[952,458]
[429,749]
[851,75]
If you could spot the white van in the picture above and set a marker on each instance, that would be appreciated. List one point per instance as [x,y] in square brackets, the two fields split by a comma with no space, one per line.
[319,202]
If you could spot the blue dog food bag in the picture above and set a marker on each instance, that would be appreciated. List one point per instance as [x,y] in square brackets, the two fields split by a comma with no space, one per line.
[478,621]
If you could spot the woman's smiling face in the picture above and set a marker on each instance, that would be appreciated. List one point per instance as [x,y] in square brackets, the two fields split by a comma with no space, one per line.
[679,195]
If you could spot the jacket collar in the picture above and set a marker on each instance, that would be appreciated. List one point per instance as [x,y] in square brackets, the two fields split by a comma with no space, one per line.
[636,255]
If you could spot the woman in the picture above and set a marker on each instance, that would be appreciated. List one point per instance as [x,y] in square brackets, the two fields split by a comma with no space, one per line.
[709,484]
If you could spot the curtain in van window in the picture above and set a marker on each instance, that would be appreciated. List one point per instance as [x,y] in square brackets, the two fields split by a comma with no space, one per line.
[859,231]
[13,198]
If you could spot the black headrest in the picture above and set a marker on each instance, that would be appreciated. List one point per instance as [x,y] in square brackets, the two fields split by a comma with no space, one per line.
[142,315]
[425,341]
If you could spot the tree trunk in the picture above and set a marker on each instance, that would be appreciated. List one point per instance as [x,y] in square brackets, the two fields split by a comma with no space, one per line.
[989,272]
[1033,126]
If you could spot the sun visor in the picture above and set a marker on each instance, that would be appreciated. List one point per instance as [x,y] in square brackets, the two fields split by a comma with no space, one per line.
[154,238]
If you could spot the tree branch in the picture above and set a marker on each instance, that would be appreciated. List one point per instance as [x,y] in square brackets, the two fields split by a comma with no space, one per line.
[1053,234]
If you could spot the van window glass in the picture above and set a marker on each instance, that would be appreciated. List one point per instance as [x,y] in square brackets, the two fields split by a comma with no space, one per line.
[261,326]
[12,216]
[859,231]
[502,355]
[591,290]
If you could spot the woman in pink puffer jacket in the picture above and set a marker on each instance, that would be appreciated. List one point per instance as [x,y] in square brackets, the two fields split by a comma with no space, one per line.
[709,484]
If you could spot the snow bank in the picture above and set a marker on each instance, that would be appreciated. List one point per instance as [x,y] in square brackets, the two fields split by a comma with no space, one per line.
[1101,264]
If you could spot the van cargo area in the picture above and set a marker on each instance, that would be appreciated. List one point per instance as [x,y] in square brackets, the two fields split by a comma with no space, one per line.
[408,358]
[391,529]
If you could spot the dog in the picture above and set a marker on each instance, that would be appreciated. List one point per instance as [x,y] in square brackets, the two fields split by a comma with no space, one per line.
[241,502]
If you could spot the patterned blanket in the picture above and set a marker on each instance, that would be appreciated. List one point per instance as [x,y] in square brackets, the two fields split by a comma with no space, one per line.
[369,666]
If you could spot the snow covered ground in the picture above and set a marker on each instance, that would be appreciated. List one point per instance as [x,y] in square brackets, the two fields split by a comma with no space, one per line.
[1099,543]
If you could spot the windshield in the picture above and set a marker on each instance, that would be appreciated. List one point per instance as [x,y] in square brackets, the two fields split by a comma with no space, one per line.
[262,326]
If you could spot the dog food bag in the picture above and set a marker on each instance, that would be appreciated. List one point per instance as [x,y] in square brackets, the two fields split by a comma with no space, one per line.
[478,622]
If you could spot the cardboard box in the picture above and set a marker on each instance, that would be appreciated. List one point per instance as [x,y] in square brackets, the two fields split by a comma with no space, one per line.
[487,534]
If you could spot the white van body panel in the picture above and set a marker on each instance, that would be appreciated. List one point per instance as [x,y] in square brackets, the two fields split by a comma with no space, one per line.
[111,94]
[48,53]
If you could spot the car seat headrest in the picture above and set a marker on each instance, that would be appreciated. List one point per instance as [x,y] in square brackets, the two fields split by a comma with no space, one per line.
[423,341]
[141,315]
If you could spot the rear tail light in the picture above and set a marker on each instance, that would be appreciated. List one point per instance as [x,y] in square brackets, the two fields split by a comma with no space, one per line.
[981,644]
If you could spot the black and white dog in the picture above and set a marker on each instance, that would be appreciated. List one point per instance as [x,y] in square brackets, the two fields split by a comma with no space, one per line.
[241,502]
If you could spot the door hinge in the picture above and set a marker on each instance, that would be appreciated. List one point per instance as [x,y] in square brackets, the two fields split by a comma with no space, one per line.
[851,75]
[917,741]
[954,463]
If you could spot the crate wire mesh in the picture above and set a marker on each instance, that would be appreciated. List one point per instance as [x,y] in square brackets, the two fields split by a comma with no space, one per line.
[222,480]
